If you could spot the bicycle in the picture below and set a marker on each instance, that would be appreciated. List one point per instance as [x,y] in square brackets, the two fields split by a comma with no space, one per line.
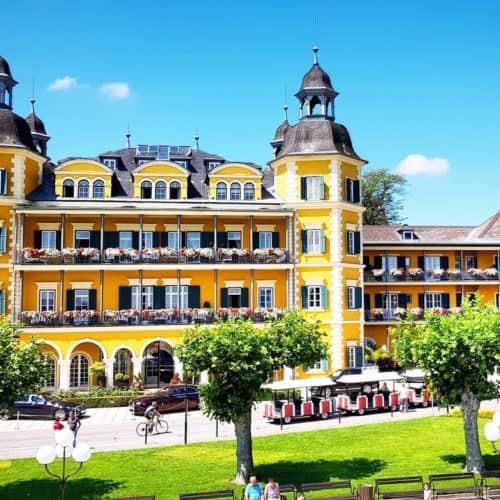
[159,427]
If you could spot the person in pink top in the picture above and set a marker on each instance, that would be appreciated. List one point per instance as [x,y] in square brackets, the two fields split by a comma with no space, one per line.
[272,490]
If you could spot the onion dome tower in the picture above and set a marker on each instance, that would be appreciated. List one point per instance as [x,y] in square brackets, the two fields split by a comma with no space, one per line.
[279,136]
[38,132]
[7,83]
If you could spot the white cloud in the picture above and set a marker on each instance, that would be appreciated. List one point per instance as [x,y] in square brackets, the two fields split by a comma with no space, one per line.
[115,91]
[62,84]
[421,165]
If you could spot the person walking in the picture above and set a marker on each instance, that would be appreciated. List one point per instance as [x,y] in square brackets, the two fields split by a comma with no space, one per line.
[403,399]
[74,425]
[58,425]
[272,490]
[254,490]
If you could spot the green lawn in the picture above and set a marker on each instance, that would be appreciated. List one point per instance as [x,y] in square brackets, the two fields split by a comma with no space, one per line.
[423,446]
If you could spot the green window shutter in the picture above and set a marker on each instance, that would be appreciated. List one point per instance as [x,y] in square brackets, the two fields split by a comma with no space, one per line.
[444,262]
[323,241]
[303,237]
[303,188]
[224,299]
[445,300]
[255,241]
[244,297]
[458,299]
[135,240]
[158,297]
[321,188]
[95,239]
[358,297]
[357,194]
[111,239]
[421,300]
[93,299]
[324,297]
[276,239]
[379,301]
[194,296]
[221,239]
[37,239]
[348,183]
[3,240]
[402,300]
[156,239]
[358,356]
[357,242]
[3,181]
[2,302]
[367,301]
[304,297]
[124,297]
[378,261]
[70,300]
[58,240]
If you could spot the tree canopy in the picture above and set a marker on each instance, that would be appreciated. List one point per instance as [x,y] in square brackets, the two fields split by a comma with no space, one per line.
[383,194]
[458,353]
[239,358]
[23,367]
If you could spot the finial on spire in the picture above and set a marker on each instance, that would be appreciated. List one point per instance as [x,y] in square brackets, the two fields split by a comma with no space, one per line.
[32,101]
[315,50]
[285,107]
[197,140]
[127,136]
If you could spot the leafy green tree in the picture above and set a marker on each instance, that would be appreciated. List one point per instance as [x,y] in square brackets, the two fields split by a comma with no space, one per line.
[457,352]
[239,358]
[23,367]
[383,193]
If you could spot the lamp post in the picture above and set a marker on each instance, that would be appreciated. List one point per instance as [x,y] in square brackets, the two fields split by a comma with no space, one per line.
[63,449]
[492,430]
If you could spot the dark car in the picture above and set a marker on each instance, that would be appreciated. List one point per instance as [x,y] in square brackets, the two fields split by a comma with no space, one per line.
[36,405]
[172,398]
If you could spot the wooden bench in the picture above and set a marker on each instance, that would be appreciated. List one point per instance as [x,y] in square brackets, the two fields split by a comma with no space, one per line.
[395,481]
[490,487]
[288,491]
[134,498]
[331,487]
[470,490]
[207,494]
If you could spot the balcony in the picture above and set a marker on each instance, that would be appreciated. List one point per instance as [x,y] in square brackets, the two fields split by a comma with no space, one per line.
[131,317]
[163,255]
[415,313]
[411,274]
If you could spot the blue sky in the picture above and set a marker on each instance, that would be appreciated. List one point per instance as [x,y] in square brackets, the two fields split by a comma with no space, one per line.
[415,78]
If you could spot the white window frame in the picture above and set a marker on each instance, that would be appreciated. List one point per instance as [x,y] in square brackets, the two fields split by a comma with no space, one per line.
[46,296]
[193,236]
[266,296]
[100,184]
[173,237]
[390,304]
[51,235]
[81,238]
[82,185]
[147,297]
[109,162]
[171,296]
[147,239]
[351,297]
[163,185]
[246,190]
[213,164]
[82,300]
[236,185]
[314,241]
[221,191]
[265,239]
[314,297]
[313,190]
[351,244]
[432,300]
[231,237]
[432,262]
[408,235]
[122,238]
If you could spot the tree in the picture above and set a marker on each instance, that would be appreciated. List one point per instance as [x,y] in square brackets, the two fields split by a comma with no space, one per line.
[23,366]
[239,358]
[382,197]
[457,352]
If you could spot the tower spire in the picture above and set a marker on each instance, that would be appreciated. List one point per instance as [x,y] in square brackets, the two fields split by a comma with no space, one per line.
[315,57]
[285,108]
[197,140]
[127,136]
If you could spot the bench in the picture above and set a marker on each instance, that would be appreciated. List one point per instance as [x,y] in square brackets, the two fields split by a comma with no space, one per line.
[470,490]
[409,481]
[207,494]
[490,484]
[286,489]
[134,498]
[331,487]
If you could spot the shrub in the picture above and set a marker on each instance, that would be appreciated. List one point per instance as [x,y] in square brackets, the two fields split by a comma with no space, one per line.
[98,398]
[457,412]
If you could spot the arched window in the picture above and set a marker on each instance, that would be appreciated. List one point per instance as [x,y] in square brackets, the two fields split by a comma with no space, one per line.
[249,191]
[83,189]
[68,188]
[221,191]
[98,189]
[122,362]
[146,190]
[235,191]
[175,190]
[161,190]
[50,374]
[79,371]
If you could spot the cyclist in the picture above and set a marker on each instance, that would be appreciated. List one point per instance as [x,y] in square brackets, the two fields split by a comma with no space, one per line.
[150,413]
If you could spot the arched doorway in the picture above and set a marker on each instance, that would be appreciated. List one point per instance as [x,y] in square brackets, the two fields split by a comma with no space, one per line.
[122,363]
[79,371]
[158,364]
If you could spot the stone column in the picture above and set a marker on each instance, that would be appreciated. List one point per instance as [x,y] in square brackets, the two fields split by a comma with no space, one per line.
[64,365]
[137,366]
[110,363]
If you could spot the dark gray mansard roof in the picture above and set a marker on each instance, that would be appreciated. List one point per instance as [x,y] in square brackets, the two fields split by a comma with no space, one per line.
[5,69]
[14,130]
[318,135]
[36,125]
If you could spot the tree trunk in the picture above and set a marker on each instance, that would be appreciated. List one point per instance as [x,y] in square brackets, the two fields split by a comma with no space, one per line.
[244,455]
[473,457]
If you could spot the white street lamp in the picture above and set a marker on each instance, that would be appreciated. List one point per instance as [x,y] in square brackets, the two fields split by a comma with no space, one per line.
[63,449]
[492,430]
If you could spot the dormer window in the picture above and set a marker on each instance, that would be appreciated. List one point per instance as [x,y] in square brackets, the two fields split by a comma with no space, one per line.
[141,162]
[110,162]
[249,191]
[221,191]
[175,190]
[83,189]
[68,188]
[235,191]
[98,189]
[146,190]
[408,234]
[182,163]
[213,164]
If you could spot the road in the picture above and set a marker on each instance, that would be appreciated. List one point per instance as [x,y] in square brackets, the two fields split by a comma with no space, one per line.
[106,429]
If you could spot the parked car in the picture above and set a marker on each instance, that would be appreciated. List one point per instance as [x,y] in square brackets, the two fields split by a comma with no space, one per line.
[172,398]
[36,405]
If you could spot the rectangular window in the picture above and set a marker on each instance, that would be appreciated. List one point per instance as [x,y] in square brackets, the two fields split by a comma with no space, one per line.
[314,297]
[49,239]
[47,300]
[354,297]
[266,297]
[3,239]
[318,366]
[352,191]
[82,239]
[470,262]
[125,239]
[110,162]
[432,300]
[432,262]
[497,302]
[314,188]
[314,240]
[172,297]
[408,235]
[3,181]
[353,242]
[182,163]
[147,297]
[234,239]
[193,239]
[147,239]
[173,239]
[213,164]
[82,302]
[265,239]
[390,302]
[234,297]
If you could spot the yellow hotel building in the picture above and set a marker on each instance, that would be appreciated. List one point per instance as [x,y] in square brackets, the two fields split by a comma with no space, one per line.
[110,258]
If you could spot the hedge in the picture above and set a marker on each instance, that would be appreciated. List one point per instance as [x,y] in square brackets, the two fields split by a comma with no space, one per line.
[98,398]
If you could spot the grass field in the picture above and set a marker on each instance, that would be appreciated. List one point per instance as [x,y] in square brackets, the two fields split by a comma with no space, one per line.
[423,446]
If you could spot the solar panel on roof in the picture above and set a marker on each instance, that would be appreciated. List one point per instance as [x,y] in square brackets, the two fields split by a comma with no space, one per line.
[142,148]
[163,152]
[174,149]
[153,149]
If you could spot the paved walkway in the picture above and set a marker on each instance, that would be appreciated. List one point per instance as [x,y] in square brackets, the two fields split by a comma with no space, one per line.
[106,429]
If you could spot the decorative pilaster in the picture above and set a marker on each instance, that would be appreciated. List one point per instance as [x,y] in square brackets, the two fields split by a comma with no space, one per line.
[18,177]
[137,366]
[110,363]
[291,181]
[64,366]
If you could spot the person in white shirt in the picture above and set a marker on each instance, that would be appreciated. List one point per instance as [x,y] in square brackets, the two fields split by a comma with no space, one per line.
[403,399]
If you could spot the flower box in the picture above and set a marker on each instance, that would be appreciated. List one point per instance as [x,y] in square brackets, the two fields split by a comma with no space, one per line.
[415,273]
[377,273]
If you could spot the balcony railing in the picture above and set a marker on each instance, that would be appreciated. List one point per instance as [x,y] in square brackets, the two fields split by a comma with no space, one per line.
[398,313]
[164,255]
[418,274]
[147,317]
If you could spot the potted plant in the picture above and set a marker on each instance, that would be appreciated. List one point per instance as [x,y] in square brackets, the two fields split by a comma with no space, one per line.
[98,370]
[415,273]
[398,273]
[377,273]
